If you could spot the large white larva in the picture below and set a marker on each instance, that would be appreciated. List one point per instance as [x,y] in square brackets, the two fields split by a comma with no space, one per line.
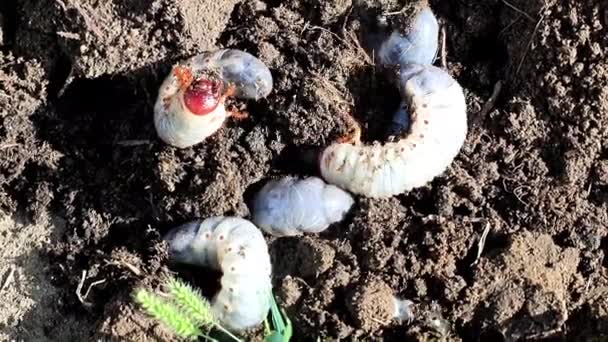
[190,103]
[237,248]
[291,206]
[438,128]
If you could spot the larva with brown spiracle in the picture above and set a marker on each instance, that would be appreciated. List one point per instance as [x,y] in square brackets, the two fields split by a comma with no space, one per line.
[237,248]
[436,106]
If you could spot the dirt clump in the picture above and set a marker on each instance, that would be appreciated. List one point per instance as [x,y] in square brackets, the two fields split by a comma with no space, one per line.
[125,321]
[109,37]
[524,291]
[371,304]
[33,307]
[317,257]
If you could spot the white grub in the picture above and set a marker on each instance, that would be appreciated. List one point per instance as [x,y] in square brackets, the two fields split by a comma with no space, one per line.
[418,45]
[237,248]
[437,130]
[404,310]
[231,72]
[291,206]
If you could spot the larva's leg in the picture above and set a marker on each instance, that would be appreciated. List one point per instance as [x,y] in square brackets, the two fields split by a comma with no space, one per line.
[233,113]
[238,115]
[230,91]
[354,133]
[184,76]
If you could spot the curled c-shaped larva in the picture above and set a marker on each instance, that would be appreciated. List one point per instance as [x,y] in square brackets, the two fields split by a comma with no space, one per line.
[437,129]
[417,45]
[237,248]
[190,104]
[291,206]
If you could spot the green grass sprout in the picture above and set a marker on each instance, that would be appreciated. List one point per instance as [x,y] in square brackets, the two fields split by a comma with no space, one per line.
[189,314]
[169,314]
[281,330]
[185,312]
[191,302]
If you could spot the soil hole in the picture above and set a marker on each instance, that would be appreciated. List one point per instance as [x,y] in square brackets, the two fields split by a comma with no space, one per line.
[8,22]
[491,335]
[300,160]
[253,190]
[462,210]
[465,267]
[376,100]
[494,242]
[563,239]
[553,155]
[422,202]
[60,74]
[205,279]
[104,95]
[599,195]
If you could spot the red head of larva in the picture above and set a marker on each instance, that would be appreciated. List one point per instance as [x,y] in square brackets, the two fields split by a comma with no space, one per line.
[203,96]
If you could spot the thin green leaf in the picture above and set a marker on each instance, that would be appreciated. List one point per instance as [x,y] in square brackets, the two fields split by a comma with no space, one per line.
[282,332]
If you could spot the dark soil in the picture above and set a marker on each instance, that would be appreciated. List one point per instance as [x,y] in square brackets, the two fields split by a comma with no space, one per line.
[78,80]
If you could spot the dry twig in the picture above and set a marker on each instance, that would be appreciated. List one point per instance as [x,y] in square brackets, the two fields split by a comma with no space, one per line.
[314,27]
[481,243]
[381,322]
[489,105]
[9,278]
[87,14]
[518,10]
[126,265]
[401,11]
[5,146]
[360,50]
[133,142]
[68,35]
[444,58]
[523,57]
[95,283]
[82,298]
[79,289]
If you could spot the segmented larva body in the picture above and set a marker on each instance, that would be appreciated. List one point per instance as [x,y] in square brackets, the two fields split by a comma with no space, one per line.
[291,206]
[418,45]
[190,104]
[438,127]
[237,248]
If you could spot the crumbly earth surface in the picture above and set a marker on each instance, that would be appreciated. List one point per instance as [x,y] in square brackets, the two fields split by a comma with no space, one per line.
[87,189]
